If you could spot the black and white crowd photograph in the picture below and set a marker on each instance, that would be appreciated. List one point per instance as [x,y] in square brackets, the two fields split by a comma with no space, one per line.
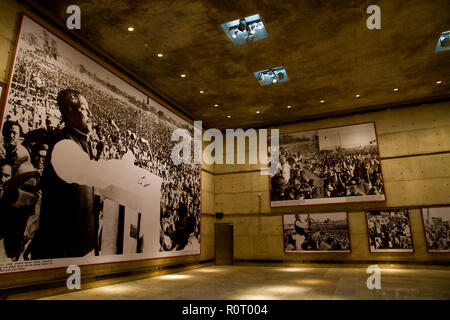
[85,162]
[389,230]
[316,232]
[336,165]
[436,222]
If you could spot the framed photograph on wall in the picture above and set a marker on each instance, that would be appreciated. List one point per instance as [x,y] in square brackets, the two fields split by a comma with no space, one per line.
[88,159]
[436,223]
[389,230]
[334,165]
[2,91]
[318,232]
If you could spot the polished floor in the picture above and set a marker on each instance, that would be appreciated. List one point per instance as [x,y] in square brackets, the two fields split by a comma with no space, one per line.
[286,283]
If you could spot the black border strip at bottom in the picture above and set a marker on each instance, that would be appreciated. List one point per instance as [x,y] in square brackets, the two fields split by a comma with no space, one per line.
[8,292]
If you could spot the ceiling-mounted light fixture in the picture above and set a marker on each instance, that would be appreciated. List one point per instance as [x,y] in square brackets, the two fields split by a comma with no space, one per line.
[244,29]
[443,42]
[271,76]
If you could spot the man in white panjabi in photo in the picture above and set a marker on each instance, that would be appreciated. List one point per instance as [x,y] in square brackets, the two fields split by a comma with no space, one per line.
[66,226]
[300,232]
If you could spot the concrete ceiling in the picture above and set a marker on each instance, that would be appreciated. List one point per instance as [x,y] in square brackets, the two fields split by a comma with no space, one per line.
[325,46]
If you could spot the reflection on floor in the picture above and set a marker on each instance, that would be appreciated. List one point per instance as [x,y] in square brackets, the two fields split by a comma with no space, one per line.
[287,283]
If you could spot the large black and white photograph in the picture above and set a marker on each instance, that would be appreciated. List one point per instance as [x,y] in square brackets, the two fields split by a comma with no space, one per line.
[86,169]
[316,232]
[389,230]
[436,222]
[1,92]
[335,165]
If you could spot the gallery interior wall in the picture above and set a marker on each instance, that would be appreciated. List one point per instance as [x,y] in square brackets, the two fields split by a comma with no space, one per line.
[9,22]
[414,145]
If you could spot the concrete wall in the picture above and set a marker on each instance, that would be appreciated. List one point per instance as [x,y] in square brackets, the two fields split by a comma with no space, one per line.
[414,144]
[9,22]
[415,149]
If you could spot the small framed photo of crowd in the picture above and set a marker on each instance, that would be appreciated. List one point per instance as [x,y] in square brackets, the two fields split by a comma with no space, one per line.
[321,232]
[334,165]
[389,230]
[85,158]
[436,222]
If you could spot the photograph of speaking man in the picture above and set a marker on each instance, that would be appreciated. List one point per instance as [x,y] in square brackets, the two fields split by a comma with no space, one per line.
[86,168]
[316,232]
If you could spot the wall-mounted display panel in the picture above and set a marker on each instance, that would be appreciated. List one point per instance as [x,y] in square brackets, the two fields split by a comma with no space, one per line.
[2,89]
[436,223]
[389,230]
[325,232]
[87,175]
[334,165]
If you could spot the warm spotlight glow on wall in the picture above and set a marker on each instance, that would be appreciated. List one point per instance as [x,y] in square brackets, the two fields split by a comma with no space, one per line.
[254,297]
[284,289]
[114,289]
[292,269]
[312,282]
[174,277]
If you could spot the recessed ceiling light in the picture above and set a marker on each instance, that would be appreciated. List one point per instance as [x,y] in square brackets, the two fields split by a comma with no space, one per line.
[322,101]
[357,96]
[257,112]
[228,116]
[216,105]
[201,91]
[160,55]
[439,82]
[183,75]
[131,29]
[289,107]
[395,89]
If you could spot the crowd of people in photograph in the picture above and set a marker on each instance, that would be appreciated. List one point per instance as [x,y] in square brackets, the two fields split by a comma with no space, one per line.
[309,235]
[32,116]
[327,174]
[389,230]
[438,236]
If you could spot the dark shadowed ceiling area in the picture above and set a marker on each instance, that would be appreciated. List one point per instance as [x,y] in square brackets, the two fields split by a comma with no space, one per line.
[327,50]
